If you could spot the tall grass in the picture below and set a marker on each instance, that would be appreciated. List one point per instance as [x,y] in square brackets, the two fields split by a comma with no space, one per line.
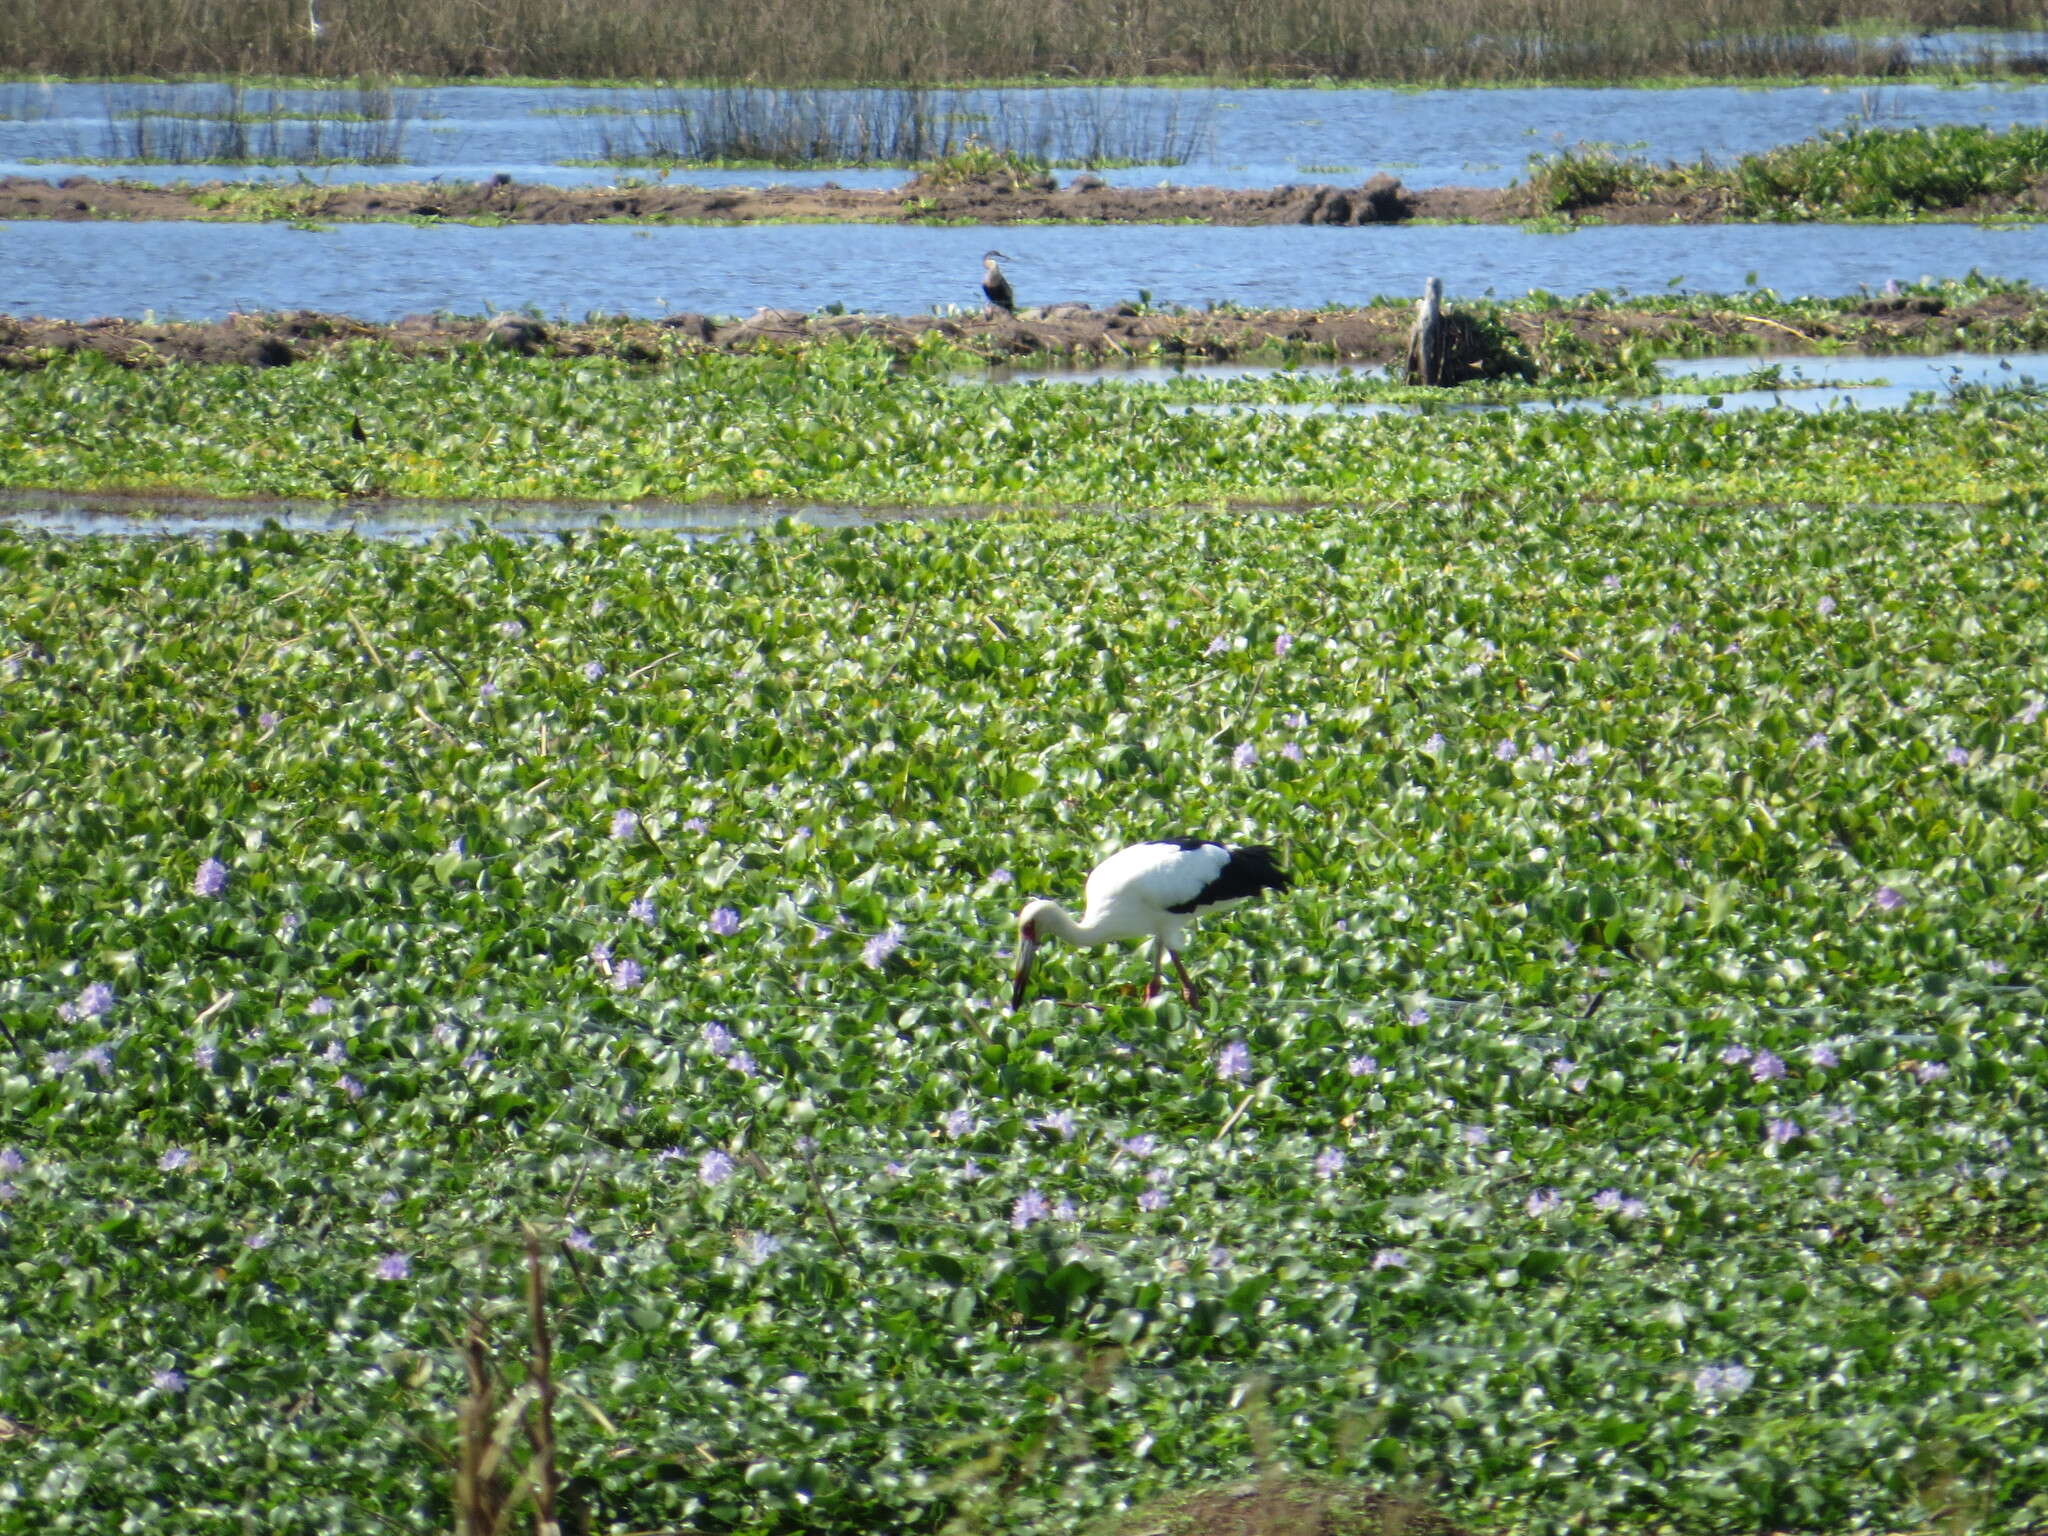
[900,127]
[364,127]
[880,42]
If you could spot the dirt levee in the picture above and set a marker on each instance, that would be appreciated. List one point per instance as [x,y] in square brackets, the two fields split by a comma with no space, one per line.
[1075,333]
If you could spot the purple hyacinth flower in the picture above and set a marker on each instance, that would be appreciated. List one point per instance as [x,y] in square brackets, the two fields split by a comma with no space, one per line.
[1888,898]
[1766,1067]
[725,922]
[1152,1201]
[714,1168]
[394,1266]
[171,1381]
[1282,643]
[1720,1382]
[876,952]
[1329,1162]
[1244,755]
[1234,1062]
[211,879]
[641,910]
[1362,1066]
[1029,1207]
[625,823]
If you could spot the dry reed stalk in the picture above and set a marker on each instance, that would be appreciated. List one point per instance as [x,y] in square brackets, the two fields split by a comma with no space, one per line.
[487,1489]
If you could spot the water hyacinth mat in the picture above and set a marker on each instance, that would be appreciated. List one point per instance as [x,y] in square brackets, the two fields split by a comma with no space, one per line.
[1634,1116]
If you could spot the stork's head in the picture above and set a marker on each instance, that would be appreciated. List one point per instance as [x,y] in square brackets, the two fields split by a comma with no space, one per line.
[1029,936]
[990,258]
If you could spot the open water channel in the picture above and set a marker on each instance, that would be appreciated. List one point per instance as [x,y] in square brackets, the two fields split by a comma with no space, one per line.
[198,271]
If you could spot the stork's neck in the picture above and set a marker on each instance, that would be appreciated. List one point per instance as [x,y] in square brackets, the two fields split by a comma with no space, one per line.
[1050,920]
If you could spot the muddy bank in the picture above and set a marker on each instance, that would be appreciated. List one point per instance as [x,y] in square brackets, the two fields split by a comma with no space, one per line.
[1071,332]
[995,200]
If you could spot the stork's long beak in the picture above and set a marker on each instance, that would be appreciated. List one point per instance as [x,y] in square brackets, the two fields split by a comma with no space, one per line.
[1026,948]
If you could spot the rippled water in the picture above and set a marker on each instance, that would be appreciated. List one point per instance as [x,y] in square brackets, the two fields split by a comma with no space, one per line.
[84,515]
[383,271]
[1806,384]
[1887,381]
[1247,137]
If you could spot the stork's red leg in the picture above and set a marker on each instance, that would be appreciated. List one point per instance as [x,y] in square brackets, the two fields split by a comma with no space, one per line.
[1158,961]
[1188,989]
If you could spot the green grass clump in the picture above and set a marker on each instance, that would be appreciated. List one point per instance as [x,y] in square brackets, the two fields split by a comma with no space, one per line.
[1860,173]
[1636,1116]
[1889,172]
[1567,182]
[979,161]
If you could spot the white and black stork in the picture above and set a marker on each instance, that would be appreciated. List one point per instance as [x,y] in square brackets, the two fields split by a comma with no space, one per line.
[1151,891]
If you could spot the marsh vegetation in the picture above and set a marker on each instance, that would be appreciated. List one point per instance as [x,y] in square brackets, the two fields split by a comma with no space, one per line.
[782,43]
[1634,1115]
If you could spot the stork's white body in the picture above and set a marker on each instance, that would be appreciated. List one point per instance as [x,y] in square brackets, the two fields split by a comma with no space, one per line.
[1150,891]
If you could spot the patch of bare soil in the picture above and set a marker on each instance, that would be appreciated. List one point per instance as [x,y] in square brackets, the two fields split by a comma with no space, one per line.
[989,200]
[1286,1506]
[994,200]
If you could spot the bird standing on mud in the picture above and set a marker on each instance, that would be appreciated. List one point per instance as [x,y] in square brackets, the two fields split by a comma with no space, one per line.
[1151,891]
[994,284]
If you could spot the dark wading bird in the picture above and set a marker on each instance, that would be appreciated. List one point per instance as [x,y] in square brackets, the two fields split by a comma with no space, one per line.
[994,284]
[1151,891]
